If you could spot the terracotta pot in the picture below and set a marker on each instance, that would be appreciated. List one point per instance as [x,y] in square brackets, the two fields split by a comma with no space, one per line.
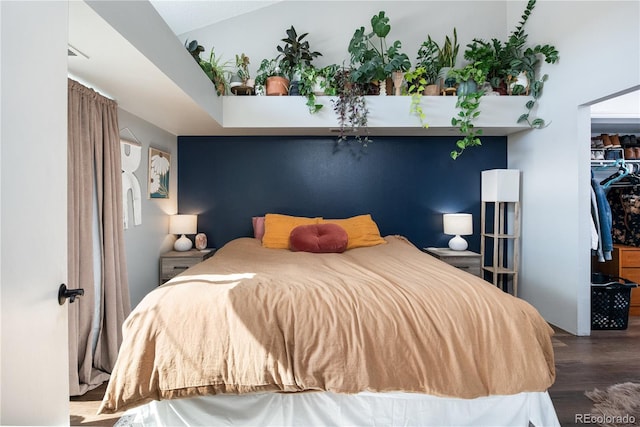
[277,86]
[432,90]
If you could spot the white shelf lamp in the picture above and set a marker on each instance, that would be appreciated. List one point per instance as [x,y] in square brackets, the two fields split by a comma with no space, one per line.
[500,185]
[183,224]
[459,224]
[501,188]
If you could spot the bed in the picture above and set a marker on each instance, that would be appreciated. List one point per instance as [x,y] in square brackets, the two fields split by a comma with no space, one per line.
[376,335]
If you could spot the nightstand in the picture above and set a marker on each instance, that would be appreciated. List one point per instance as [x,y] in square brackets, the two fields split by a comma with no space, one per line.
[173,263]
[465,260]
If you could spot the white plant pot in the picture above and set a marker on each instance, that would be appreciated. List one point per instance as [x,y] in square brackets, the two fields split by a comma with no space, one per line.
[521,80]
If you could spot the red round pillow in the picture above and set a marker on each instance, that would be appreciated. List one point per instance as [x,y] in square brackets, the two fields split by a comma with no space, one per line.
[318,238]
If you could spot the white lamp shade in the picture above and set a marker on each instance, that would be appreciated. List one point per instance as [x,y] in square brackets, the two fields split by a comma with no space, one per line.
[183,224]
[460,224]
[501,185]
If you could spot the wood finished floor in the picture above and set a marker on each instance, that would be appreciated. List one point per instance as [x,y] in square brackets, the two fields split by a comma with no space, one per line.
[598,361]
[582,363]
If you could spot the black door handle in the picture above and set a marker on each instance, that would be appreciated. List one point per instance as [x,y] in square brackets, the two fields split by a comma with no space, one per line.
[64,293]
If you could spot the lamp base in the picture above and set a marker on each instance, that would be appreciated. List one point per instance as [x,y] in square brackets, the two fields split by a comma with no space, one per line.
[457,243]
[183,244]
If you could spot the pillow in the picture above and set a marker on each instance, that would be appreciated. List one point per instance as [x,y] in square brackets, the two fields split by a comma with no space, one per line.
[277,229]
[362,230]
[318,238]
[258,227]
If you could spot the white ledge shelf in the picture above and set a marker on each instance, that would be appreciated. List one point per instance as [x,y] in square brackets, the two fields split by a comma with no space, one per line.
[388,115]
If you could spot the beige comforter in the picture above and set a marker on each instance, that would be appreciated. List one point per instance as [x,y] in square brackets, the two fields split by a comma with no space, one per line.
[383,318]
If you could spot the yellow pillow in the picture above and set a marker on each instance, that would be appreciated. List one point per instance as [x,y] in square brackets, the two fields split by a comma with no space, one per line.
[362,230]
[277,229]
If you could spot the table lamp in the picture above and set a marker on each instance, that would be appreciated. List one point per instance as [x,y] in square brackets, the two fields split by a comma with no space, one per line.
[460,224]
[183,224]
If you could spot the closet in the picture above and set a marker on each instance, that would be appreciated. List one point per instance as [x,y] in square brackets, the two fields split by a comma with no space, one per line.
[615,168]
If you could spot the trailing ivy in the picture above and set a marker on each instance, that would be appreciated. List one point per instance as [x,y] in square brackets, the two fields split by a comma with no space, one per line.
[536,93]
[468,104]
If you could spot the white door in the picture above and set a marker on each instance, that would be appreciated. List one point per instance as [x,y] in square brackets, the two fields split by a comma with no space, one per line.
[33,213]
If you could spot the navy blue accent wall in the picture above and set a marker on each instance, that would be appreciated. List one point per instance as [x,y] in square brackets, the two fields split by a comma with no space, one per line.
[405,183]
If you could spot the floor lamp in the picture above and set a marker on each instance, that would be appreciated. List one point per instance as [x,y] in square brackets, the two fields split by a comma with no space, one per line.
[501,187]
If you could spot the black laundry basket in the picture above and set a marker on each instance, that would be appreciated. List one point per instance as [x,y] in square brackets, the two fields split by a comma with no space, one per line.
[610,300]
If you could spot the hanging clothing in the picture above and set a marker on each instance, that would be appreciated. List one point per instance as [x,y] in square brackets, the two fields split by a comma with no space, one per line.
[625,210]
[604,217]
[595,227]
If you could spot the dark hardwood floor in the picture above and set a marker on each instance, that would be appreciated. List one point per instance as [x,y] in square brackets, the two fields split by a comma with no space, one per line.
[582,364]
[598,361]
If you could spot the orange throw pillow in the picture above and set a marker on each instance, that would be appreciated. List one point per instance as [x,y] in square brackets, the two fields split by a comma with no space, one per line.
[362,230]
[277,228]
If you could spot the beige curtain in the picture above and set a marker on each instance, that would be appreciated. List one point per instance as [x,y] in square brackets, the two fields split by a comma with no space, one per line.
[94,163]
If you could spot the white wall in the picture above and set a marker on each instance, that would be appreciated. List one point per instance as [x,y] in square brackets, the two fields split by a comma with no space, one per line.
[146,242]
[258,33]
[599,45]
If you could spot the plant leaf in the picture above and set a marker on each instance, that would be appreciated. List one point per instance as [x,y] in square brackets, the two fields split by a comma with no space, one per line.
[537,123]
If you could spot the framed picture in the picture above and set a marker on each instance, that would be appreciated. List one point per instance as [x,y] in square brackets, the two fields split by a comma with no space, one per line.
[159,173]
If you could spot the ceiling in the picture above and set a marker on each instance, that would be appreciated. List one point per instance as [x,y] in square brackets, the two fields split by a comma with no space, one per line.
[110,63]
[187,15]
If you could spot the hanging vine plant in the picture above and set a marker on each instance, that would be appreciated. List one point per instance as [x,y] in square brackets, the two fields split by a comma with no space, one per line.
[470,78]
[536,93]
[469,105]
[351,108]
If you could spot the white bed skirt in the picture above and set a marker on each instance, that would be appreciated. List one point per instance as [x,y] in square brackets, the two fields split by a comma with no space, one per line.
[330,409]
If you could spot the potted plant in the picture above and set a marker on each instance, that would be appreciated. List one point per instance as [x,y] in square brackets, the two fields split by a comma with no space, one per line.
[469,78]
[270,79]
[447,55]
[316,82]
[371,58]
[294,56]
[242,65]
[492,57]
[308,87]
[423,80]
[326,82]
[218,72]
[523,59]
[429,63]
[241,82]
[194,49]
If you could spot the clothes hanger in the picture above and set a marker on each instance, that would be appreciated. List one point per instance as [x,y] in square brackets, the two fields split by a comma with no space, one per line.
[623,171]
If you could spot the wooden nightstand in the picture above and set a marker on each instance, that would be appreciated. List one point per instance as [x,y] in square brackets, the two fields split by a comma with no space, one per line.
[465,260]
[173,263]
